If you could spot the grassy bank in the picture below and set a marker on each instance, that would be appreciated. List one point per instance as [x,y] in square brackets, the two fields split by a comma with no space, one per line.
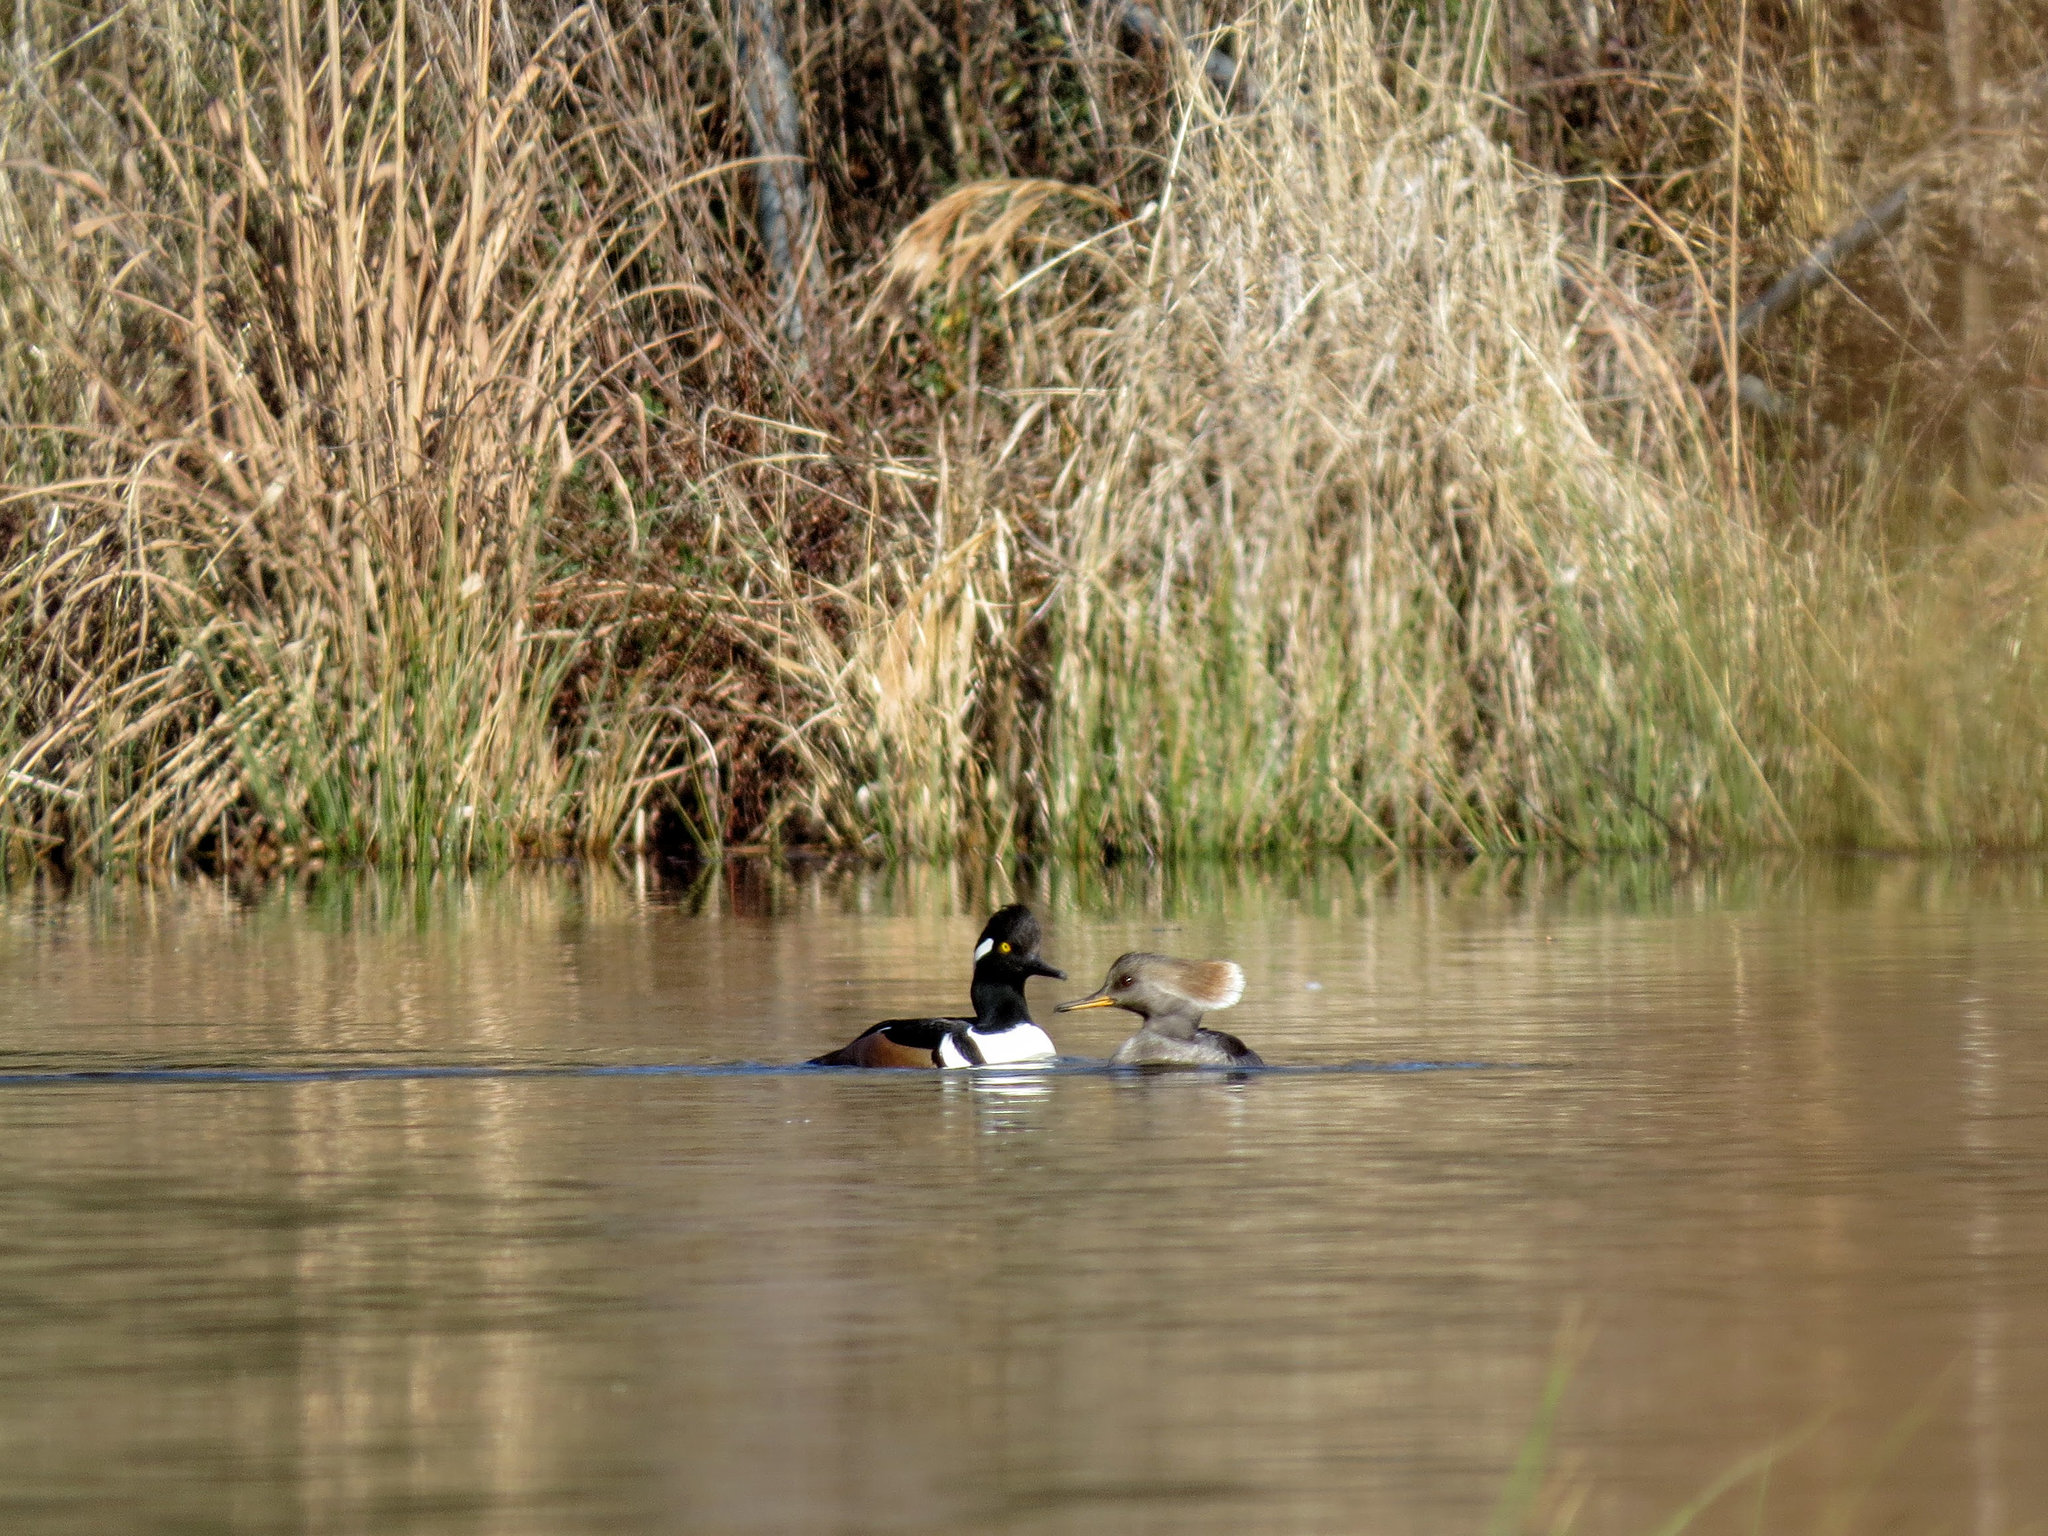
[408,457]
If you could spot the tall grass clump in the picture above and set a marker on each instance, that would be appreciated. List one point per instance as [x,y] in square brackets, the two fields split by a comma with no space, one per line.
[1352,489]
[1924,677]
[1329,538]
[1342,546]
[299,339]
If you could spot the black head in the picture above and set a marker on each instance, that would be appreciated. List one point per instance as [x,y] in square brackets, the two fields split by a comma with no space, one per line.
[1008,950]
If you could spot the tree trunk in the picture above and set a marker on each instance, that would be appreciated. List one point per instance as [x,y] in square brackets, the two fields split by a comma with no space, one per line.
[1965,31]
[782,187]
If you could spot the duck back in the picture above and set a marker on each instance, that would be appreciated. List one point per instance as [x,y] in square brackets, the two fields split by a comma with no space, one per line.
[893,1043]
[1207,1048]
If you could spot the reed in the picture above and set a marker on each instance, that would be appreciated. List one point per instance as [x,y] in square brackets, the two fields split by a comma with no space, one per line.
[1326,541]
[404,453]
[303,340]
[1348,496]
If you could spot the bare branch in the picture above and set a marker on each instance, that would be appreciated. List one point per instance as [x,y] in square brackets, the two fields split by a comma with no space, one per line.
[1796,282]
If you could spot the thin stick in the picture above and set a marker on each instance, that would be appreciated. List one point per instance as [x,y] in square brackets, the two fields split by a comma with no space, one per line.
[1735,257]
[1800,279]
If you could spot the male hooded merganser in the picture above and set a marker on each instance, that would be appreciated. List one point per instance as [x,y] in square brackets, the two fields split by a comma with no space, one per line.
[1171,996]
[999,1034]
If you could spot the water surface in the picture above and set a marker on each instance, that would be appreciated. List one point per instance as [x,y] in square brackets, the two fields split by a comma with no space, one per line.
[1775,1135]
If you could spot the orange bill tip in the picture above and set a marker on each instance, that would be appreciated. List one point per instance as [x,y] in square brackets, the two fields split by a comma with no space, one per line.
[1098,1001]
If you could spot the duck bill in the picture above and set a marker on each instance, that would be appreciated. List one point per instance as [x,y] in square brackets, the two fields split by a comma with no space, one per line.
[1096,1000]
[1031,965]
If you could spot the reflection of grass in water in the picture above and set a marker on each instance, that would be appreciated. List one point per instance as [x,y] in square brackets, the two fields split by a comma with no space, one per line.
[1358,885]
[1521,1507]
[1361,882]
[371,898]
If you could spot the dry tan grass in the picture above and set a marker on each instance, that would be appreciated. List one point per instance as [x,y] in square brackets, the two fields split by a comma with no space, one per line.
[311,372]
[1350,497]
[400,459]
[1315,528]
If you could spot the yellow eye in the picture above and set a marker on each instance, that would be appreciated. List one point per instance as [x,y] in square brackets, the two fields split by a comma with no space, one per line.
[1004,948]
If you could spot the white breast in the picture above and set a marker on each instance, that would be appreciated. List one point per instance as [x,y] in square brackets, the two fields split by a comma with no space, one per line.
[1025,1042]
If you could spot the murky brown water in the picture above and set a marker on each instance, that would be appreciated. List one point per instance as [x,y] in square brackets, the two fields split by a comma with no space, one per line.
[1778,1134]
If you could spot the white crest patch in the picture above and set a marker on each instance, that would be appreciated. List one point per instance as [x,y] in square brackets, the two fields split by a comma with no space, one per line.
[1233,985]
[983,947]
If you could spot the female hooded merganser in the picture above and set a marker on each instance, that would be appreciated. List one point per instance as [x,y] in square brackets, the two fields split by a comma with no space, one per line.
[1171,996]
[999,1034]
